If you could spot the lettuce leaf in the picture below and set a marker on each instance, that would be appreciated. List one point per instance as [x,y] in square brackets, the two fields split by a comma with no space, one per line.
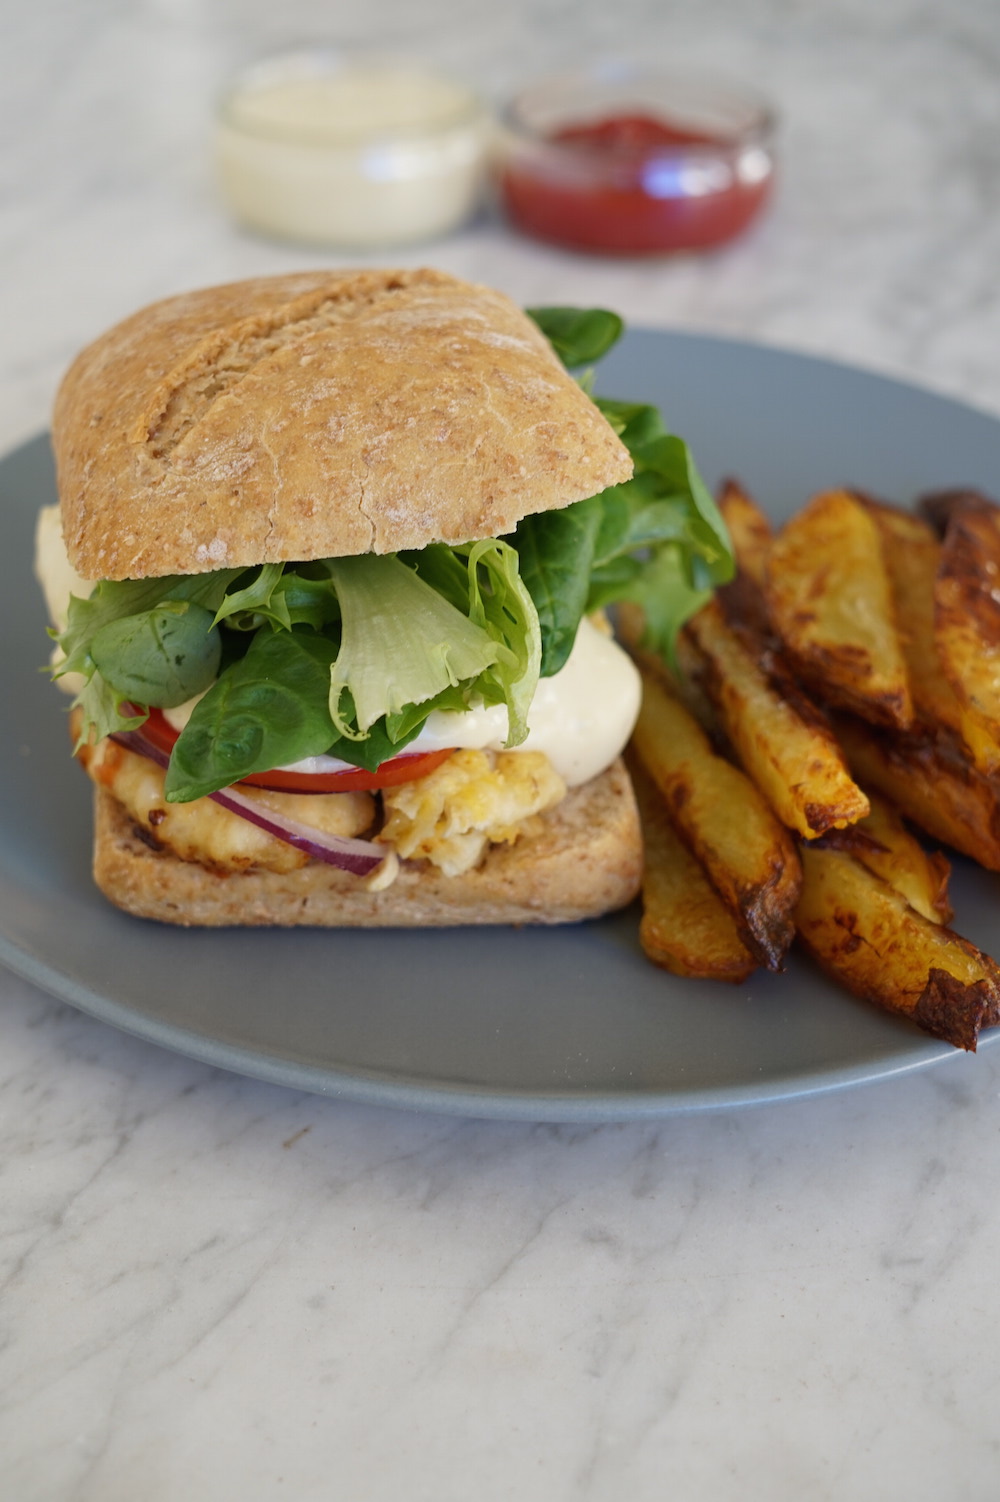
[105,710]
[162,656]
[125,639]
[502,605]
[267,709]
[408,645]
[657,539]
[556,549]
[579,336]
[401,643]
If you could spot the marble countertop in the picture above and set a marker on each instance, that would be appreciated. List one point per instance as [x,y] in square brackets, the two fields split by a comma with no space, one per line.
[218,1288]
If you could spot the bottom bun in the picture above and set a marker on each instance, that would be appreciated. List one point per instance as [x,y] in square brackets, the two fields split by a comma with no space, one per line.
[584,860]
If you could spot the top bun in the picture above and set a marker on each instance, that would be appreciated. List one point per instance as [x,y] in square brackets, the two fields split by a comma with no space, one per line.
[317,415]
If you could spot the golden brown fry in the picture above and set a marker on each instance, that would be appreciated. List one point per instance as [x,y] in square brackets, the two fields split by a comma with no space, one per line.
[948,799]
[883,843]
[912,553]
[867,936]
[830,602]
[936,506]
[967,610]
[783,744]
[685,928]
[748,857]
[742,599]
[750,531]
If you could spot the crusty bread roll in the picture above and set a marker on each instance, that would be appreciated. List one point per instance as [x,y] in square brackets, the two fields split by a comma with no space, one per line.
[317,415]
[585,860]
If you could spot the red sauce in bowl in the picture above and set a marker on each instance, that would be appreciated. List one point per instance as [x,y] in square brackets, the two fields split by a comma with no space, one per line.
[634,183]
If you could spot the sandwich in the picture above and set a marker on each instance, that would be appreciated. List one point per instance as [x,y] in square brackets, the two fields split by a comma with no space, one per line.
[328,580]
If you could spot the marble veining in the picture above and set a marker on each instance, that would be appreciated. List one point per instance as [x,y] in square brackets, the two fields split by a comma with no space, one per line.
[216,1288]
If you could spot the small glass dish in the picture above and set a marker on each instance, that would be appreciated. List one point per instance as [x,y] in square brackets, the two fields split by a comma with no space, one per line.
[327,149]
[624,160]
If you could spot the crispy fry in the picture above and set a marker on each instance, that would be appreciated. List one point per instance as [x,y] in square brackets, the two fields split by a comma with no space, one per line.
[912,553]
[948,799]
[748,857]
[783,744]
[883,843]
[936,506]
[867,936]
[685,928]
[846,603]
[742,599]
[830,601]
[966,607]
[750,532]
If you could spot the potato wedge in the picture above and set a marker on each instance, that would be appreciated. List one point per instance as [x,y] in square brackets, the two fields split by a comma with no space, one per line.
[866,935]
[948,799]
[830,602]
[967,607]
[782,743]
[912,553]
[936,506]
[883,843]
[747,855]
[742,599]
[750,531]
[685,928]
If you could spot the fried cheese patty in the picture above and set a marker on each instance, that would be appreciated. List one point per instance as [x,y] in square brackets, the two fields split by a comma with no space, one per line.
[450,817]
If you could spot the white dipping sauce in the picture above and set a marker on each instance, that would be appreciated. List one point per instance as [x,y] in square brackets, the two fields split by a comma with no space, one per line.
[331,153]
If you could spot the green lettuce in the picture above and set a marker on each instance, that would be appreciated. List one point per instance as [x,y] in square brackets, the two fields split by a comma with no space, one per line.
[401,643]
[658,539]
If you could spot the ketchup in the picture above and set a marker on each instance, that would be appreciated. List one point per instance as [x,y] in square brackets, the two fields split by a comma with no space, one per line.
[634,184]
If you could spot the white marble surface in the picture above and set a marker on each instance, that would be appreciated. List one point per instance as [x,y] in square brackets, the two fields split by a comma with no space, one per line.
[214,1288]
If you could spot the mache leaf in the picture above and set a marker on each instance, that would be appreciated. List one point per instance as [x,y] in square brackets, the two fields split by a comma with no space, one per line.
[266,710]
[162,656]
[579,336]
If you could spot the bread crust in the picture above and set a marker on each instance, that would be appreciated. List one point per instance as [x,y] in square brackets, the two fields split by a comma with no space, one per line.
[317,415]
[585,860]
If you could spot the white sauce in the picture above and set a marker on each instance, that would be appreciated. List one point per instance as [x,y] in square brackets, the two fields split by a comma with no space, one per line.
[328,153]
[58,579]
[53,570]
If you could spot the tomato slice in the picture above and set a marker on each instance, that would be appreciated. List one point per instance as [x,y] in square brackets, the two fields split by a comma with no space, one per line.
[159,730]
[408,766]
[401,768]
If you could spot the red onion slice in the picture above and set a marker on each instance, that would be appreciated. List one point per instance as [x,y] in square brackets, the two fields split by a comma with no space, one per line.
[358,856]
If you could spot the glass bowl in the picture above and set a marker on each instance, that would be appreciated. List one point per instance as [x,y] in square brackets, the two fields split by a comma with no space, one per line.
[326,149]
[623,160]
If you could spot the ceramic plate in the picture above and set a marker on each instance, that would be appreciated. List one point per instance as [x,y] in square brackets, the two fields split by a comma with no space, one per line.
[562,1024]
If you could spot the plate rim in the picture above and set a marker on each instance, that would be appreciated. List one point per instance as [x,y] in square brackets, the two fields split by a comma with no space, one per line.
[370,1088]
[579,1104]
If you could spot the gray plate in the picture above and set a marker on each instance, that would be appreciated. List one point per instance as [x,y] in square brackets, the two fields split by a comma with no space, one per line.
[564,1024]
